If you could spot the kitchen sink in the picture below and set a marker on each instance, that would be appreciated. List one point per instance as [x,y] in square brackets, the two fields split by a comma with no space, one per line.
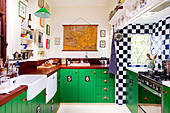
[35,83]
[80,64]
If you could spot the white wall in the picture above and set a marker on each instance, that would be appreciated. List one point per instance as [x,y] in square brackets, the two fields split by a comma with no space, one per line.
[14,24]
[67,15]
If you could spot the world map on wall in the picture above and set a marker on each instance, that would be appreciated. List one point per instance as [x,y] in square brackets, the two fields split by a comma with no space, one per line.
[80,37]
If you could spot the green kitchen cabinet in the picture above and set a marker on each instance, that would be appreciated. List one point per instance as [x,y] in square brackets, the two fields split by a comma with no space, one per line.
[16,105]
[87,86]
[148,97]
[165,99]
[132,91]
[69,85]
[36,103]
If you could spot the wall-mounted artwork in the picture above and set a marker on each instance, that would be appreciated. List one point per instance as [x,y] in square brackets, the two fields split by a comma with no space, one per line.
[42,22]
[57,41]
[102,43]
[22,10]
[47,43]
[102,33]
[48,30]
[80,37]
[40,3]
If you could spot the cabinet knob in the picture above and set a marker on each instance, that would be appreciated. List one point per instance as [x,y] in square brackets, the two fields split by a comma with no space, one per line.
[105,89]
[166,92]
[145,98]
[94,72]
[105,81]
[52,101]
[75,71]
[136,76]
[145,90]
[105,72]
[24,99]
[105,98]
[45,94]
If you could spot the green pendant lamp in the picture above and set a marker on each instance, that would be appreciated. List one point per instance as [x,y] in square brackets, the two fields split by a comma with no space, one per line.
[42,13]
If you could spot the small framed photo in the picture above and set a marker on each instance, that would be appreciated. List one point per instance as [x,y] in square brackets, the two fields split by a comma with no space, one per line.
[42,22]
[57,41]
[22,10]
[47,43]
[48,30]
[102,33]
[102,43]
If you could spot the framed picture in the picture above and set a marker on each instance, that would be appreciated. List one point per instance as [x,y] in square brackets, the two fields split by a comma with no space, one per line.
[22,10]
[47,7]
[47,43]
[102,33]
[48,30]
[26,0]
[42,22]
[57,41]
[102,43]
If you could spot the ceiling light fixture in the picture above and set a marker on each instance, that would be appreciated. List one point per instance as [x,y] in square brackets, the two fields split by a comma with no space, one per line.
[42,13]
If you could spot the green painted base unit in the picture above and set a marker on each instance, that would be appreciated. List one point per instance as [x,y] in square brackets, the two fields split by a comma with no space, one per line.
[38,101]
[132,91]
[16,105]
[166,99]
[147,97]
[87,86]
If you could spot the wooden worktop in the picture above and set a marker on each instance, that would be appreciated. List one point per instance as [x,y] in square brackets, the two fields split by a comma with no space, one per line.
[49,71]
[4,98]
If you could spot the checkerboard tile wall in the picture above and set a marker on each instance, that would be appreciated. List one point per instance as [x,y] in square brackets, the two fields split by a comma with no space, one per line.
[123,49]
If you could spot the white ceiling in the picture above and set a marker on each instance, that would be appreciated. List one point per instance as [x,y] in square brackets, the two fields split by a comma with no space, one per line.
[79,2]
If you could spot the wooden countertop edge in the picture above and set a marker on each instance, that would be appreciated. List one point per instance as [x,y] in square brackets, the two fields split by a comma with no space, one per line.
[7,97]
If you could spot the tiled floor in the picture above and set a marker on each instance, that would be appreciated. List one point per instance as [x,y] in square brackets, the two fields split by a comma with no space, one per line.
[93,108]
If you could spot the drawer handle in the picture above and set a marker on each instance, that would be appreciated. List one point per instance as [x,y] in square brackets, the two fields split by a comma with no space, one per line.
[105,72]
[145,90]
[52,101]
[105,89]
[75,71]
[105,98]
[136,76]
[94,72]
[166,92]
[105,81]
[145,98]
[24,99]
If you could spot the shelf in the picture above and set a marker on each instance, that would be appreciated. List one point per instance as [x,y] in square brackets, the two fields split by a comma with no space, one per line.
[131,15]
[26,29]
[26,49]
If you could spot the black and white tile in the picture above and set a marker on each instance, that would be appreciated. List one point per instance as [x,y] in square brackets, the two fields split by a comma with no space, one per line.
[160,45]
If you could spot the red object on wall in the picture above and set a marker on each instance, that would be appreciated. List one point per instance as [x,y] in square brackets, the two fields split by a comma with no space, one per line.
[47,43]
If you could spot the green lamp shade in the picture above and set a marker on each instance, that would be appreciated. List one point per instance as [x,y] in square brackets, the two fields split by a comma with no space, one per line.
[42,13]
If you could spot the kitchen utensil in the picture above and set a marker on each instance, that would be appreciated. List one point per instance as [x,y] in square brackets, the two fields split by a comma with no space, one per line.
[148,55]
[154,57]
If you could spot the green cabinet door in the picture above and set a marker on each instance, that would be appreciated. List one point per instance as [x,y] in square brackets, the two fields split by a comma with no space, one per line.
[166,99]
[86,86]
[16,105]
[69,85]
[132,91]
[38,101]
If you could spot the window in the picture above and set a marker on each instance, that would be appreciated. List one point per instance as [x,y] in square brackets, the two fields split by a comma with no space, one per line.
[140,46]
